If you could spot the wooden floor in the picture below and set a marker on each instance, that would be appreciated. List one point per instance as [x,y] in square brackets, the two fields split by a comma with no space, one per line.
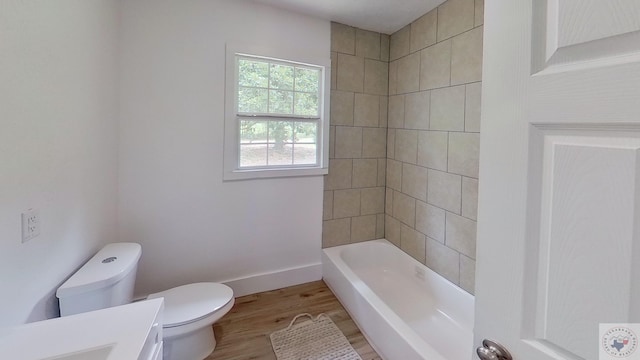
[244,332]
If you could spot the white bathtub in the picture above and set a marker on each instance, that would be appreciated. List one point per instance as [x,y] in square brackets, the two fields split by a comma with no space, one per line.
[403,308]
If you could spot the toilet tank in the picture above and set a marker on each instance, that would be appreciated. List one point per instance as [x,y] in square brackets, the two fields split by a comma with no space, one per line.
[106,280]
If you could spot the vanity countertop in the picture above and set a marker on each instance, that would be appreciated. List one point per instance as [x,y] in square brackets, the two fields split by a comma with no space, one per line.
[117,333]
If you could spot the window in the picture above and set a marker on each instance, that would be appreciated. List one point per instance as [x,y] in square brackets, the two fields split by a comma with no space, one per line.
[276,118]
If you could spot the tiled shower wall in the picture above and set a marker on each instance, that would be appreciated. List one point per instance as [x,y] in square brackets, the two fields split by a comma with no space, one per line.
[433,139]
[405,166]
[355,186]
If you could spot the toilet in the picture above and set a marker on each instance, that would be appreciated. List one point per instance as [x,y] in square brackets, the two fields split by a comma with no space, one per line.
[108,279]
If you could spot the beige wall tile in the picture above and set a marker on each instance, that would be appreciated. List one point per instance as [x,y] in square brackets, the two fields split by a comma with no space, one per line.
[350,73]
[392,230]
[348,142]
[366,110]
[391,143]
[384,47]
[368,44]
[400,43]
[430,221]
[467,274]
[464,149]
[339,176]
[432,149]
[393,77]
[470,198]
[447,109]
[407,146]
[472,107]
[365,173]
[334,70]
[342,108]
[423,31]
[372,200]
[479,13]
[384,111]
[394,174]
[382,172]
[346,203]
[419,63]
[409,74]
[443,260]
[461,235]
[360,134]
[455,17]
[466,57]
[396,111]
[327,206]
[332,142]
[376,77]
[363,228]
[444,191]
[336,232]
[412,242]
[374,142]
[414,181]
[435,66]
[380,226]
[404,208]
[343,38]
[416,110]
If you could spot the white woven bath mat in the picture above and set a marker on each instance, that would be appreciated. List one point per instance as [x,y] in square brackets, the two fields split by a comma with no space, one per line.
[312,339]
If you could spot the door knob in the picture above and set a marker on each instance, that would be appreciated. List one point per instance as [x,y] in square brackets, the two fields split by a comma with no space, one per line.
[491,350]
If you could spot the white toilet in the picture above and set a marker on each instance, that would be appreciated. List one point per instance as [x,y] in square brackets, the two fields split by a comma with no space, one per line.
[108,279]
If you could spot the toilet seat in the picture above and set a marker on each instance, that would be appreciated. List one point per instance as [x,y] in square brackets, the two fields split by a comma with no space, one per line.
[192,302]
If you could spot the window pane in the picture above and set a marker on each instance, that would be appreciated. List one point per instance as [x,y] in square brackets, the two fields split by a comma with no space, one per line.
[253,143]
[305,154]
[280,142]
[280,102]
[305,147]
[306,132]
[306,104]
[253,132]
[307,80]
[282,156]
[253,155]
[253,73]
[281,77]
[280,133]
[252,100]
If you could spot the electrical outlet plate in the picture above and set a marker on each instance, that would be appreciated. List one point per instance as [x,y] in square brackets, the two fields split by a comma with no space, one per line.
[30,224]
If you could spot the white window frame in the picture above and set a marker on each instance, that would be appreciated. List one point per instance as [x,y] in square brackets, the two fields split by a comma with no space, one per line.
[278,53]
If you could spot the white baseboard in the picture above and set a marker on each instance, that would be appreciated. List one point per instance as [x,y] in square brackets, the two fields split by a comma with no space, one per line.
[275,280]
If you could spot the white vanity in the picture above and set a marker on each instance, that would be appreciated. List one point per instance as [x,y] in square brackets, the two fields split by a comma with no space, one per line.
[128,332]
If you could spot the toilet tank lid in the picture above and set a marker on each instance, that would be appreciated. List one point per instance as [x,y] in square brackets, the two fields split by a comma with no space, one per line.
[109,265]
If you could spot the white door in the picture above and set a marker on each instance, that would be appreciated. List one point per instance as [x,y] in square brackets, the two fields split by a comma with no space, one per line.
[559,198]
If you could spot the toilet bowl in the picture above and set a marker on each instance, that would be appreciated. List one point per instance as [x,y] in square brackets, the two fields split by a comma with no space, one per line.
[108,279]
[189,313]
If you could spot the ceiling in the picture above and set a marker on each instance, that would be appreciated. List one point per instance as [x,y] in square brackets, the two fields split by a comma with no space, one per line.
[384,16]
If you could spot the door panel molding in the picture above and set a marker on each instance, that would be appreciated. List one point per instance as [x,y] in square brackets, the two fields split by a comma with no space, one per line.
[574,208]
[565,43]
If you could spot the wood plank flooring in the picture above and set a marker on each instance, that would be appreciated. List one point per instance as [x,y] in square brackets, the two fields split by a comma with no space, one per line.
[244,332]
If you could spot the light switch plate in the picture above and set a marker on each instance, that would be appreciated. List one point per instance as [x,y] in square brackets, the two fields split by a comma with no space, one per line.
[30,224]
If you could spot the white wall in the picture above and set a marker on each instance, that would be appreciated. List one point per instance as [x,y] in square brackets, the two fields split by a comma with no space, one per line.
[58,144]
[191,224]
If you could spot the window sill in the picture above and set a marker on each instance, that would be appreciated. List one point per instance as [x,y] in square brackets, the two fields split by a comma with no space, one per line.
[273,173]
